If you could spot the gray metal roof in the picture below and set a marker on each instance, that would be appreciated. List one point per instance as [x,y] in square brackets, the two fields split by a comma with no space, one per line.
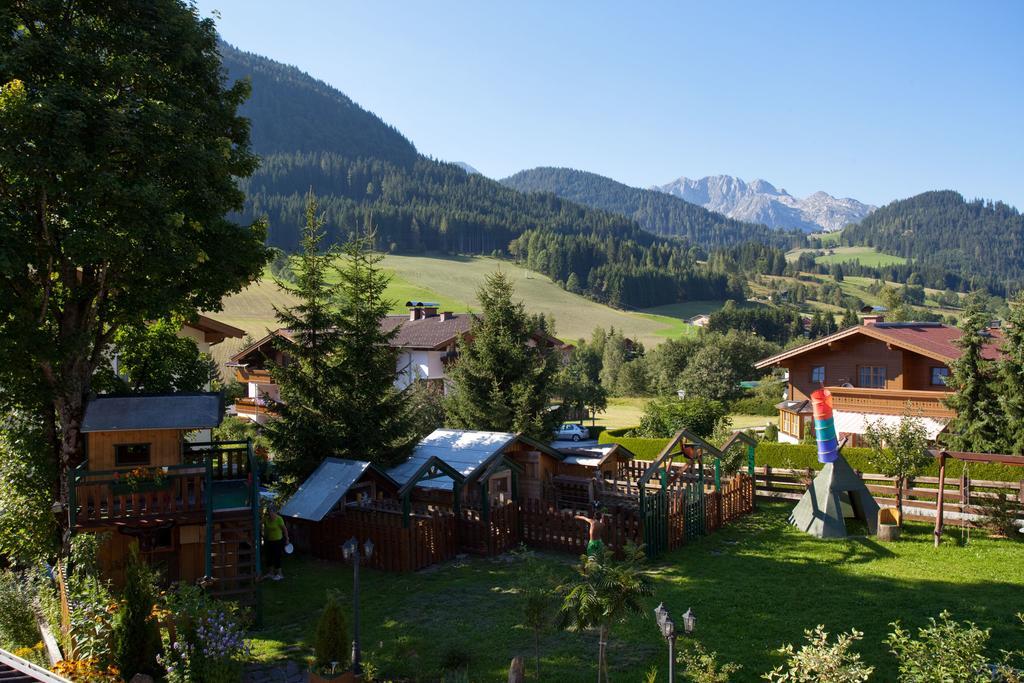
[324,488]
[153,411]
[464,450]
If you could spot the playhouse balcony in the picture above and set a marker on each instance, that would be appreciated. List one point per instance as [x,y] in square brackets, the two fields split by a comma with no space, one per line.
[212,478]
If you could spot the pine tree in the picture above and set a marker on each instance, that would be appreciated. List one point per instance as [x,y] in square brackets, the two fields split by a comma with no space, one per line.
[974,381]
[502,381]
[375,416]
[337,390]
[310,424]
[1011,372]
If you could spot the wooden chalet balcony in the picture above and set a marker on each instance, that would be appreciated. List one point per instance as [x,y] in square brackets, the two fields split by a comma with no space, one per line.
[212,478]
[891,401]
[253,406]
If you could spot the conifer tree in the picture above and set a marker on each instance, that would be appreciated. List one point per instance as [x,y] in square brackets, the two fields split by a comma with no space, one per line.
[376,420]
[1011,372]
[974,381]
[502,381]
[337,389]
[310,424]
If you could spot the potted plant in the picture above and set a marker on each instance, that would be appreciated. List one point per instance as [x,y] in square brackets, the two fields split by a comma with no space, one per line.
[141,480]
[331,646]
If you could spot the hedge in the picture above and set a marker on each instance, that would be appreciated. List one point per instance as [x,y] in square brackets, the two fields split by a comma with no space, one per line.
[801,456]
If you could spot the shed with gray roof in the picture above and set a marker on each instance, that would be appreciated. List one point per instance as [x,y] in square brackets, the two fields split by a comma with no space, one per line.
[332,483]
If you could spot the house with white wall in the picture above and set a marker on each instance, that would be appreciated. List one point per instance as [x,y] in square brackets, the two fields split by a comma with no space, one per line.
[426,340]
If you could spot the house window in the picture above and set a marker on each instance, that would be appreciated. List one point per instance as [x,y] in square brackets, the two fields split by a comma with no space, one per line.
[939,376]
[131,454]
[872,376]
[818,374]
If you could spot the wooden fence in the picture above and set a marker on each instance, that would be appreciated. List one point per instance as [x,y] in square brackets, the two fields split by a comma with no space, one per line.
[963,497]
[549,528]
[428,539]
[436,535]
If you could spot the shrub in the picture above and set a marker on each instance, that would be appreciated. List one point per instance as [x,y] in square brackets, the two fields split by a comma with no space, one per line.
[204,638]
[665,416]
[18,626]
[820,660]
[771,433]
[331,647]
[944,651]
[999,516]
[702,666]
[136,634]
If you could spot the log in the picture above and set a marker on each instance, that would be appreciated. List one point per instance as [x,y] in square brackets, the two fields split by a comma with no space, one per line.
[888,532]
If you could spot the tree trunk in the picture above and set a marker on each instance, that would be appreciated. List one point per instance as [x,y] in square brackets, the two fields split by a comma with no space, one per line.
[536,650]
[900,483]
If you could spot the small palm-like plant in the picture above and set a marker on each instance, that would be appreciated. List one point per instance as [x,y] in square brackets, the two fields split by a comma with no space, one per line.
[605,592]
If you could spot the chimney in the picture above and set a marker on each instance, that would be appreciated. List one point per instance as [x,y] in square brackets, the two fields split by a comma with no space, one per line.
[429,311]
[447,315]
[873,319]
[415,313]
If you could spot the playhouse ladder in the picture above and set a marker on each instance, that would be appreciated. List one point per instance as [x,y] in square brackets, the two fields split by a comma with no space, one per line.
[233,558]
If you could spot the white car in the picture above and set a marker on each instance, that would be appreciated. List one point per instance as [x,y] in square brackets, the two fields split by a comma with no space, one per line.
[572,431]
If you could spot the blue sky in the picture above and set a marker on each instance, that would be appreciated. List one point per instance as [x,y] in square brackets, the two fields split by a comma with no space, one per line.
[872,100]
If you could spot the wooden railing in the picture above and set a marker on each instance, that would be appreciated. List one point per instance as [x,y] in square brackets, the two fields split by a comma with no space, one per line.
[253,406]
[890,401]
[190,489]
[103,497]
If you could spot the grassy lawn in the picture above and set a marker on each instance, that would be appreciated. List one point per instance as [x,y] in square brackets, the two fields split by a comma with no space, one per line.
[753,586]
[623,411]
[868,256]
[747,421]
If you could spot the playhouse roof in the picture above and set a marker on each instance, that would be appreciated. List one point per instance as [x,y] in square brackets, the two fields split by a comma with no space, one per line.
[595,456]
[325,487]
[464,450]
[113,413]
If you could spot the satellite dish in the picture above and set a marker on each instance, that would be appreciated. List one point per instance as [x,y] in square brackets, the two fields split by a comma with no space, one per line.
[847,385]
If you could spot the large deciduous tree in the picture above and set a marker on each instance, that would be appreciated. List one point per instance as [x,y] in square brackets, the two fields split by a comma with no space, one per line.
[120,147]
[504,379]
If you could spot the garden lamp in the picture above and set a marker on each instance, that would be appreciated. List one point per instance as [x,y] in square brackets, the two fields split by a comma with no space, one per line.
[668,632]
[348,548]
[689,621]
[368,549]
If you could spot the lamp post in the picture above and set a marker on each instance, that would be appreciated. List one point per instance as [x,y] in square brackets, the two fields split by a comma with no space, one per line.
[350,550]
[668,632]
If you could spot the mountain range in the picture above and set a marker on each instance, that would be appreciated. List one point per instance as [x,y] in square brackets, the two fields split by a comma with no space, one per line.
[761,202]
[655,211]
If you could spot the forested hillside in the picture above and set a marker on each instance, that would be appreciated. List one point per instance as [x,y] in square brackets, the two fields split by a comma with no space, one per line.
[293,112]
[655,211]
[365,173]
[955,244]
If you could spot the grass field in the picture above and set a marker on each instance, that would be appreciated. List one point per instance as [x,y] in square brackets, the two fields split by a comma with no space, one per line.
[753,586]
[453,282]
[867,256]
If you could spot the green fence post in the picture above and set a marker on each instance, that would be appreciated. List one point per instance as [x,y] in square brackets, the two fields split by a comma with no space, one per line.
[750,460]
[718,474]
[208,498]
[700,492]
[406,510]
[254,494]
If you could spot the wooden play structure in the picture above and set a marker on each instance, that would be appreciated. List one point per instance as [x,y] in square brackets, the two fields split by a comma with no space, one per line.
[943,456]
[485,493]
[192,509]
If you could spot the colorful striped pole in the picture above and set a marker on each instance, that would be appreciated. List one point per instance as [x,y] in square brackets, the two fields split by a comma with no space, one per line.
[824,426]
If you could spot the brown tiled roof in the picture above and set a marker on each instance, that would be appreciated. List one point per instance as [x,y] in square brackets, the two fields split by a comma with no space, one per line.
[932,340]
[427,333]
